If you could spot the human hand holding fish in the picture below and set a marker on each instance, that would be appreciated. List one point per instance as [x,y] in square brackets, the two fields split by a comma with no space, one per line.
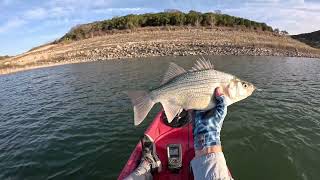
[207,126]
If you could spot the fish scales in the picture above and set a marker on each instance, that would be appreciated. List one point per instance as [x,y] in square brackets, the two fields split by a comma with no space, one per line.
[189,81]
[196,86]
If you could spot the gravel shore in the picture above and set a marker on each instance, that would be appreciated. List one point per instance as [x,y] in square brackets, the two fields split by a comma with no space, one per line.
[158,42]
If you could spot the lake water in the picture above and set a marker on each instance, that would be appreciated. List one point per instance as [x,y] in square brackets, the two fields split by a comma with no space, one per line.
[75,122]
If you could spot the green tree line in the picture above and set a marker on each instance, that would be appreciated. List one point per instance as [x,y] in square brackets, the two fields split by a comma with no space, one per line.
[131,21]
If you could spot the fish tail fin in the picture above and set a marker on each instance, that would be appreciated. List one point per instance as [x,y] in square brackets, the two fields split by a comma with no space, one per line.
[142,104]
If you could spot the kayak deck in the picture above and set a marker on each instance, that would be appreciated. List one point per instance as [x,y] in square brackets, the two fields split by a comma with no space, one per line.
[163,135]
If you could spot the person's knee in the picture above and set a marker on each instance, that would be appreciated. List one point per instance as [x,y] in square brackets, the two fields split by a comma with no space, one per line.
[211,166]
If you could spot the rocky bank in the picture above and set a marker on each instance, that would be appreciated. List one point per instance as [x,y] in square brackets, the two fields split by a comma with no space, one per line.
[158,42]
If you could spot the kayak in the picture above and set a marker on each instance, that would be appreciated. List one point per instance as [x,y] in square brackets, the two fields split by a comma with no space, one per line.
[174,147]
[175,140]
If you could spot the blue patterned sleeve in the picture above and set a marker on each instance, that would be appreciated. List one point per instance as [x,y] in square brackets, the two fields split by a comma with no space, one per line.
[207,124]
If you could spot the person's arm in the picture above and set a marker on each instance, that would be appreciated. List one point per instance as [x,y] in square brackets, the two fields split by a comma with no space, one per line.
[209,161]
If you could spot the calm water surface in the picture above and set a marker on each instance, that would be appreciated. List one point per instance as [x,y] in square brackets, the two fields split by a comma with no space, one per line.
[75,122]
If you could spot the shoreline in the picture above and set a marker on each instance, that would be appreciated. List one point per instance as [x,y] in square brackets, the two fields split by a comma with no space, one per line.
[77,61]
[159,43]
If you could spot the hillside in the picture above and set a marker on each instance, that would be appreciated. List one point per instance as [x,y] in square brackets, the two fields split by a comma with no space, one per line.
[312,39]
[160,34]
[176,18]
[4,57]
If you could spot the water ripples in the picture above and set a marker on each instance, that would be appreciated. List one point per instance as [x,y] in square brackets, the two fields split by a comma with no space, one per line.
[75,121]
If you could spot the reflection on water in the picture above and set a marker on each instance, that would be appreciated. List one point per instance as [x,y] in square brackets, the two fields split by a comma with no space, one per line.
[75,122]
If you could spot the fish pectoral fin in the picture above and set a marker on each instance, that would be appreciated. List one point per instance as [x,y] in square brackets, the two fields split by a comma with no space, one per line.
[171,110]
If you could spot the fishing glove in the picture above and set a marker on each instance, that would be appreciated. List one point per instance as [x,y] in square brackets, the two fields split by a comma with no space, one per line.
[207,124]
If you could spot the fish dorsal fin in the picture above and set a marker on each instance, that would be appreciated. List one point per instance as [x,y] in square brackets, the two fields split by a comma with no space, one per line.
[202,64]
[173,71]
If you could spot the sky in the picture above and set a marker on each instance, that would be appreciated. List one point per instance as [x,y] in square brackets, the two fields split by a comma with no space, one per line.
[29,23]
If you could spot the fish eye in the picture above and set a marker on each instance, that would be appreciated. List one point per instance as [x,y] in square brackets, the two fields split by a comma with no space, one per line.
[245,85]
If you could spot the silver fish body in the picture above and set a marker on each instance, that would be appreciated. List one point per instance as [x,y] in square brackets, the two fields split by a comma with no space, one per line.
[193,89]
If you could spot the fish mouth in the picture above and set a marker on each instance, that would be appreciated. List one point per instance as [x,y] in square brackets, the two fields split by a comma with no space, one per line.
[254,88]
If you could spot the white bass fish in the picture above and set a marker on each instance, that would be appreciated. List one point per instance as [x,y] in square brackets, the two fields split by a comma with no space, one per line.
[193,89]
